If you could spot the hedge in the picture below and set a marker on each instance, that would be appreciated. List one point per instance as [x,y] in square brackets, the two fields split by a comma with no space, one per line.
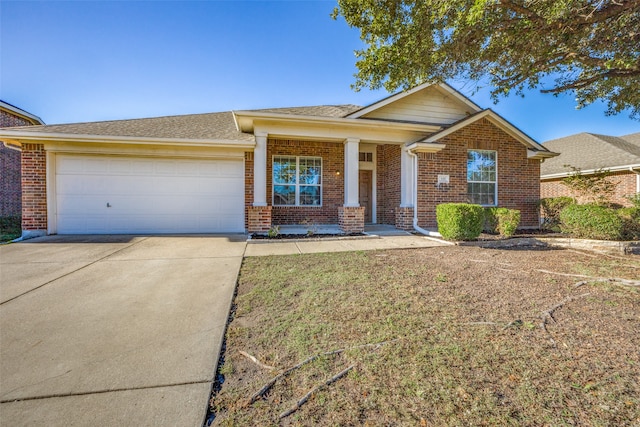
[501,220]
[592,221]
[551,208]
[459,221]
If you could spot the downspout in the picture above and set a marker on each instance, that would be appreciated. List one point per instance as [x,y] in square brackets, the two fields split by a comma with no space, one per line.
[415,199]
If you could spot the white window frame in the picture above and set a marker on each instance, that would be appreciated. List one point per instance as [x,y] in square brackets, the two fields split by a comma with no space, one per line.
[297,184]
[495,195]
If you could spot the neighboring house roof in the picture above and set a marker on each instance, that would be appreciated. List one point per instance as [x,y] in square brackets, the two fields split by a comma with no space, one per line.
[590,152]
[21,113]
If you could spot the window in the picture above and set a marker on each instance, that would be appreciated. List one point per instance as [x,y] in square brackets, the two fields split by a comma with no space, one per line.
[365,157]
[482,177]
[297,181]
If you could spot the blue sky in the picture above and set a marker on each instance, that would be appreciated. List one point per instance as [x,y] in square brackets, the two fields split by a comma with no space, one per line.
[76,61]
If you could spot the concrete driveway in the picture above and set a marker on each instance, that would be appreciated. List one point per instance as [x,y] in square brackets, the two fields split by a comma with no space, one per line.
[113,330]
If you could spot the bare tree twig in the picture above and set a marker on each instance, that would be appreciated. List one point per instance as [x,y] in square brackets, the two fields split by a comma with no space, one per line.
[284,373]
[625,282]
[307,396]
[256,361]
[548,314]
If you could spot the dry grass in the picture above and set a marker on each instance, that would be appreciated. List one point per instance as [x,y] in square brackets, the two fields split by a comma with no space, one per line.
[469,348]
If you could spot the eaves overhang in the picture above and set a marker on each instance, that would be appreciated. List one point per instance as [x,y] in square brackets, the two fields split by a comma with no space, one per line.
[540,155]
[20,137]
[425,147]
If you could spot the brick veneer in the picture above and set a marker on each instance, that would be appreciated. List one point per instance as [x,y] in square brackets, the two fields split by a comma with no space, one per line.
[332,184]
[518,177]
[351,219]
[34,187]
[8,119]
[625,186]
[259,219]
[388,183]
[10,187]
[404,218]
[10,165]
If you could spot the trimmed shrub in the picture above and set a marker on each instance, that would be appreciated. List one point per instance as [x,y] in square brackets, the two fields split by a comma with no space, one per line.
[630,223]
[591,222]
[459,221]
[501,220]
[491,220]
[551,208]
[508,222]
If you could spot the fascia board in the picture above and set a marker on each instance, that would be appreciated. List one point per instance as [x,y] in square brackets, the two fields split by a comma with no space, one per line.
[20,112]
[635,168]
[534,154]
[25,136]
[450,90]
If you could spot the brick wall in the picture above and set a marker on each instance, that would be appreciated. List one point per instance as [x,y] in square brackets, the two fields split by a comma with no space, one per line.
[625,186]
[332,184]
[518,177]
[10,181]
[248,186]
[388,183]
[34,198]
[10,187]
[10,120]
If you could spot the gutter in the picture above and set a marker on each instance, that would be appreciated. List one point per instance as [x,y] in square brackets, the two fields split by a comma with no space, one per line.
[106,139]
[635,168]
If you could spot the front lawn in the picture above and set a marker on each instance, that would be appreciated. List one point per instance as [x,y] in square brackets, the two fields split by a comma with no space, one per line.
[466,340]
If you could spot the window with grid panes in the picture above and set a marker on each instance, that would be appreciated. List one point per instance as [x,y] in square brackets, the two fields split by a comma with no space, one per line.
[482,177]
[297,181]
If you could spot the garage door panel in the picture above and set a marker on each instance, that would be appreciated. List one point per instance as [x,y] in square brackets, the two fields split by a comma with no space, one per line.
[148,195]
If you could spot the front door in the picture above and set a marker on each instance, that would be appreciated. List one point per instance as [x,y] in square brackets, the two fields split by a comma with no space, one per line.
[365,193]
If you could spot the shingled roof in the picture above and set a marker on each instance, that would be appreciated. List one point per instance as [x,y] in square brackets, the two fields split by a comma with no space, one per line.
[209,126]
[589,151]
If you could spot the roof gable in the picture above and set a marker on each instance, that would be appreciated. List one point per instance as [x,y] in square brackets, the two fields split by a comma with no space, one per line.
[537,149]
[12,109]
[428,103]
[588,152]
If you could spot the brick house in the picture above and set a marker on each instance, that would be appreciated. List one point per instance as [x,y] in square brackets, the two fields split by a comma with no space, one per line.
[390,162]
[10,186]
[590,152]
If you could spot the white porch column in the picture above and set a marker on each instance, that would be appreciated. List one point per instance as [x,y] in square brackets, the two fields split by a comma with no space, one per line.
[260,170]
[351,167]
[407,179]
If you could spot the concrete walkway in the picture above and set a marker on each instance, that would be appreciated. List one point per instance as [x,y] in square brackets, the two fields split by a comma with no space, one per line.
[114,330]
[384,240]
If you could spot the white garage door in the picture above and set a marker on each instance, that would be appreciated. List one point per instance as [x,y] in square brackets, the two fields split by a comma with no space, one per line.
[119,195]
